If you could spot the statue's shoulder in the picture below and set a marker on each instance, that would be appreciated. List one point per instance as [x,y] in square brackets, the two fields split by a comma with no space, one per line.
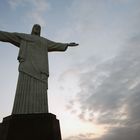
[43,39]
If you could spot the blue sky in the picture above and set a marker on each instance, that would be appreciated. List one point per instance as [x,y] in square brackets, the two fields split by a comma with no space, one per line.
[93,88]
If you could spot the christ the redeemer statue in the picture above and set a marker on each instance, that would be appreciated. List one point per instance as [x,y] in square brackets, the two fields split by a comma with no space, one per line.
[31,92]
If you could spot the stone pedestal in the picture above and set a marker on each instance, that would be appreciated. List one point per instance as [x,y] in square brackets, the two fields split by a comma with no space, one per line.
[30,127]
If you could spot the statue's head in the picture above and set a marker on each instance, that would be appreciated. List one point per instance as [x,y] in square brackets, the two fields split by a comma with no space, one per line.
[36,30]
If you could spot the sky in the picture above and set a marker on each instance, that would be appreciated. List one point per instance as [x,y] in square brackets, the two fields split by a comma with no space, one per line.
[94,89]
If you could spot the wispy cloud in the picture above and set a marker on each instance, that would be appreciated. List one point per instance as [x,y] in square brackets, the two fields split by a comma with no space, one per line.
[88,136]
[35,12]
[14,3]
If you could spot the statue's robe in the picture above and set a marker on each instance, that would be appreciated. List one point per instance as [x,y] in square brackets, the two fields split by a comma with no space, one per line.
[31,93]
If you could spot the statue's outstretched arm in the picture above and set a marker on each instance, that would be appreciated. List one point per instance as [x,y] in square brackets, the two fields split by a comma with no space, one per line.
[56,46]
[10,37]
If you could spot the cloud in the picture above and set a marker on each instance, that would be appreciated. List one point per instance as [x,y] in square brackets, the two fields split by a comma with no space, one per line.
[35,13]
[38,11]
[110,93]
[14,3]
[123,133]
[87,136]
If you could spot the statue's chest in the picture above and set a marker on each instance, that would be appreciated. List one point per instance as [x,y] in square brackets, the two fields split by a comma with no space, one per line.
[36,44]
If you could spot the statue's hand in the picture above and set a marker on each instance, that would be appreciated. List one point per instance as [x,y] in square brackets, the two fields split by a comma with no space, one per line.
[72,44]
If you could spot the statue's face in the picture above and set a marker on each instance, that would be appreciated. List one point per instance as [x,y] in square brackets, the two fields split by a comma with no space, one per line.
[36,30]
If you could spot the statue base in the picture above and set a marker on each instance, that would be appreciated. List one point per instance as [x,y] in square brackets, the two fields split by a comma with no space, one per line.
[30,127]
